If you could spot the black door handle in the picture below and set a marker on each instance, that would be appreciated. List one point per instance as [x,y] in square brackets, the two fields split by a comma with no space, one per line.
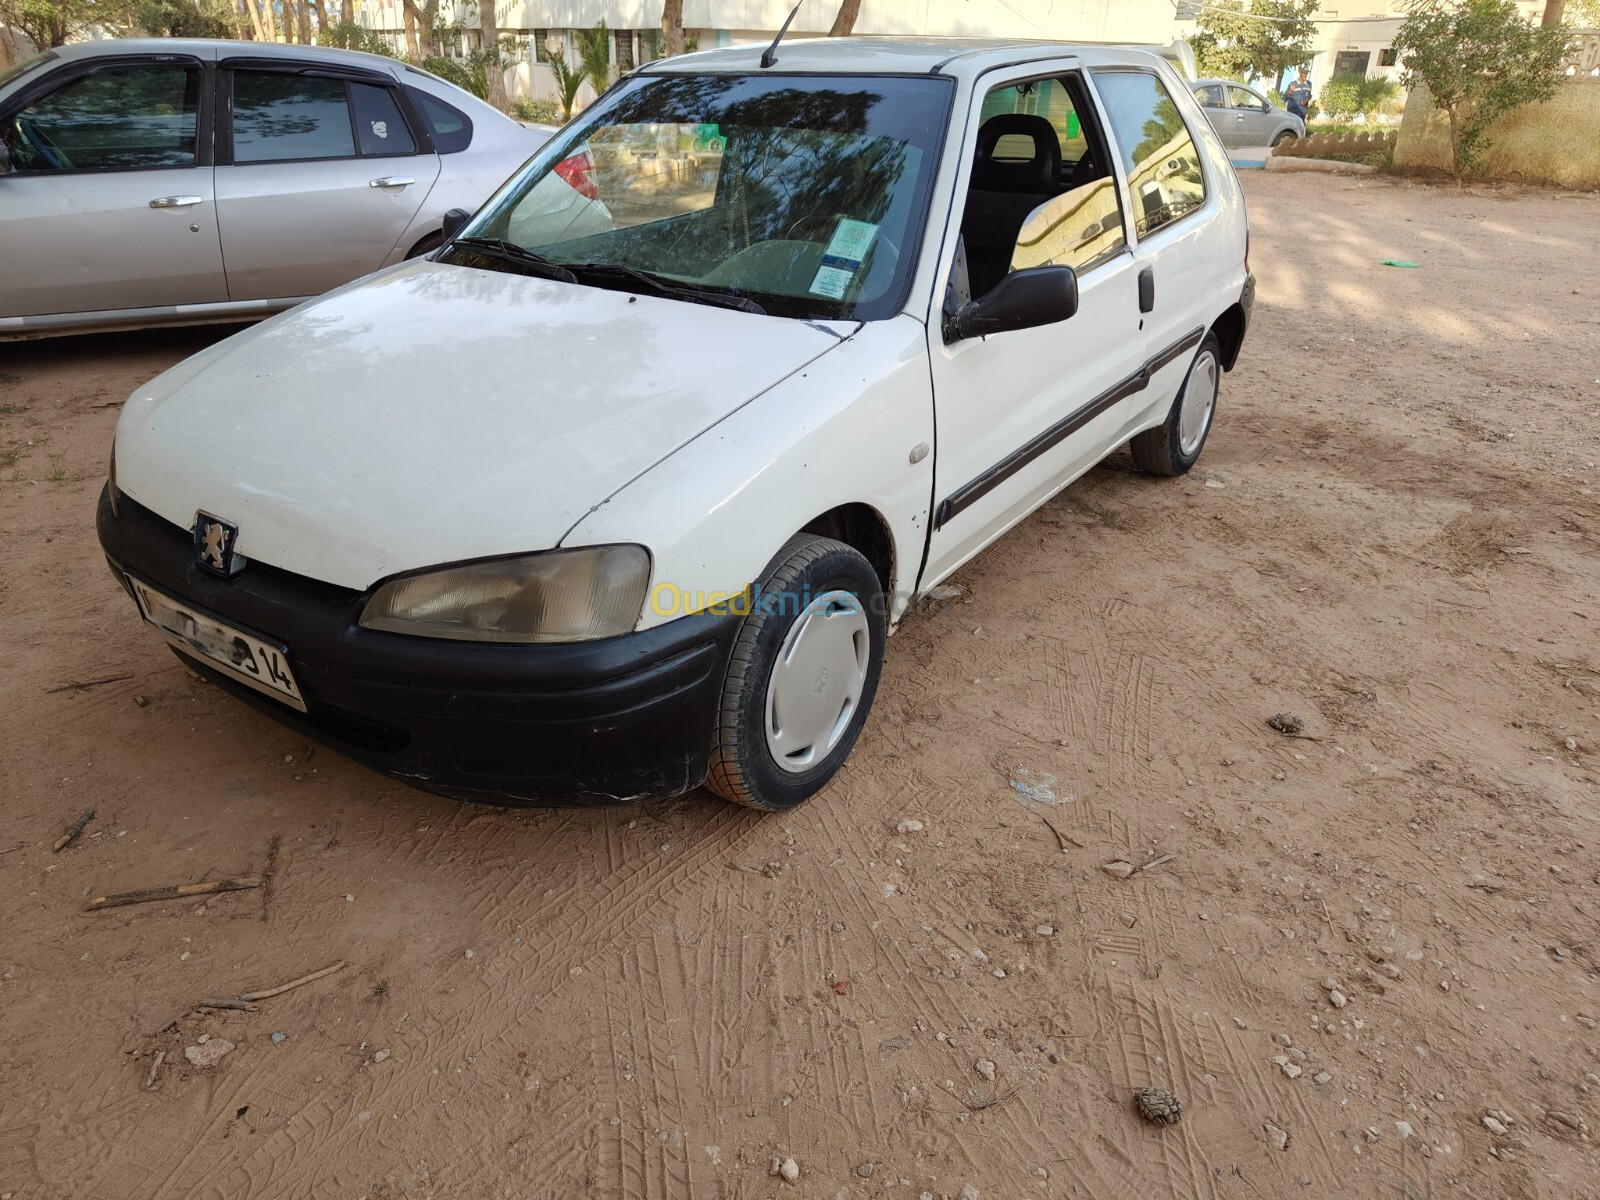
[1147,290]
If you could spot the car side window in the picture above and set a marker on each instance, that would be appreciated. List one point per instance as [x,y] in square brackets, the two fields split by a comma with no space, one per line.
[1244,98]
[1165,179]
[281,117]
[379,126]
[451,128]
[119,118]
[1042,192]
[1210,95]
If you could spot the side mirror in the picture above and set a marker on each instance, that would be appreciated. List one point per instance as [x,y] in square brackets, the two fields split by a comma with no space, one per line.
[1022,300]
[453,221]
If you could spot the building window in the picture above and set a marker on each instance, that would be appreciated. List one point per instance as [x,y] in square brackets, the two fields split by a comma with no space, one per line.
[541,43]
[1387,58]
[623,39]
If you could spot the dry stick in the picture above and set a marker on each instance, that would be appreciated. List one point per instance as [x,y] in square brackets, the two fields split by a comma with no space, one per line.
[73,830]
[266,873]
[980,1105]
[1061,838]
[293,983]
[73,685]
[154,1067]
[1156,862]
[225,1002]
[180,892]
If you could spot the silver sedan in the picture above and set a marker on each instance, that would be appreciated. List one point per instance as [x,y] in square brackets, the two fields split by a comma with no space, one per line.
[1242,116]
[149,182]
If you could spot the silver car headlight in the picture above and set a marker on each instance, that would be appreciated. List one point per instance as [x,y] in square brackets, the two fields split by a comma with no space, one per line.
[555,596]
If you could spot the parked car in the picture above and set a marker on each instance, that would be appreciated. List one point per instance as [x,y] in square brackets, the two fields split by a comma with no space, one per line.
[165,181]
[1243,116]
[596,518]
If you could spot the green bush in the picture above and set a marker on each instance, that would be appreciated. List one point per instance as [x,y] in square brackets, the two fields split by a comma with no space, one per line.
[1341,95]
[544,111]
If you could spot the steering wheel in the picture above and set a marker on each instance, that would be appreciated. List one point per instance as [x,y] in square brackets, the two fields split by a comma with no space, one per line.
[46,149]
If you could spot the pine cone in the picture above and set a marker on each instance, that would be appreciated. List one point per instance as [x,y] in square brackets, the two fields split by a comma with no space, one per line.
[1158,1106]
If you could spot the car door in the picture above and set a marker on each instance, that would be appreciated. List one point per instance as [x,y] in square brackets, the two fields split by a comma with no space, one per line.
[319,173]
[1253,118]
[1173,216]
[1212,97]
[109,202]
[1022,413]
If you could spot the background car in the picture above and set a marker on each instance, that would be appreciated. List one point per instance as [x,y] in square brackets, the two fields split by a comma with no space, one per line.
[1242,116]
[169,181]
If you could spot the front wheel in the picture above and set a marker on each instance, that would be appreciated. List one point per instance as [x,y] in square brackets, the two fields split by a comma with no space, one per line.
[1172,447]
[801,678]
[1287,135]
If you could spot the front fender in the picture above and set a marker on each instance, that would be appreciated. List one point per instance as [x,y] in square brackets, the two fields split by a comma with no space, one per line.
[841,431]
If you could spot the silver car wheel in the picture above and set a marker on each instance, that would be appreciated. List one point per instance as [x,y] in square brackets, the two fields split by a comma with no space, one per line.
[817,682]
[1198,403]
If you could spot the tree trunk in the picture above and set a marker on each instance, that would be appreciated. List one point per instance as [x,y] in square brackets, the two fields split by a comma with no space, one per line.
[672,27]
[844,24]
[489,34]
[413,44]
[323,24]
[1554,10]
[254,13]
[347,12]
[419,28]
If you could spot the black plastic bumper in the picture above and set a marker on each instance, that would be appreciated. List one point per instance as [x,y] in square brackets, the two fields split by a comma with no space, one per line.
[605,722]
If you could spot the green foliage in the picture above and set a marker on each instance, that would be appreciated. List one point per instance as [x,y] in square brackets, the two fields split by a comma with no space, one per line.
[49,23]
[1235,42]
[1341,95]
[1479,60]
[568,81]
[350,36]
[543,111]
[470,71]
[594,55]
[184,18]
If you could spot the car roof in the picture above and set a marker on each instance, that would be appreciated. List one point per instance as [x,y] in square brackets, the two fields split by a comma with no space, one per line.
[1249,87]
[959,57]
[210,49]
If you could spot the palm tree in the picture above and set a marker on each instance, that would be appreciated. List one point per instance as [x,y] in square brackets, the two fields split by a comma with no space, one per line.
[594,56]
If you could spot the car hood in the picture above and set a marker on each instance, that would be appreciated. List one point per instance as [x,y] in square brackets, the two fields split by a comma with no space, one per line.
[431,414]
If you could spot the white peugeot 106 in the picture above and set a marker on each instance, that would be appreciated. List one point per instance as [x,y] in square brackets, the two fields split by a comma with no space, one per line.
[560,515]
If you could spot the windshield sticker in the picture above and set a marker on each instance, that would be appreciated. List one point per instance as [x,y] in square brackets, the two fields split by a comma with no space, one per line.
[831,282]
[850,241]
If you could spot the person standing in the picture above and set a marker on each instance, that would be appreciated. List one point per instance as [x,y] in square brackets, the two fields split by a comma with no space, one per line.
[1297,97]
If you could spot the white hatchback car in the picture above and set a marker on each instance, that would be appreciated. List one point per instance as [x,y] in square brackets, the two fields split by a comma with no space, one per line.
[591,519]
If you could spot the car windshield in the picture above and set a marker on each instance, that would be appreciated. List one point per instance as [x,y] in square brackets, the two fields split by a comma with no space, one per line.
[799,196]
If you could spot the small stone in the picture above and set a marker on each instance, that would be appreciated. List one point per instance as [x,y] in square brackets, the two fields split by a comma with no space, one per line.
[1336,998]
[1278,1138]
[838,926]
[1570,743]
[381,1056]
[279,1038]
[1389,969]
[470,953]
[1329,984]
[1495,1127]
[1297,1054]
[1585,1020]
[1282,1039]
[1128,919]
[985,1068]
[1322,1077]
[1403,1128]
[1571,1120]
[1287,722]
[894,1043]
[865,1170]
[1238,1023]
[968,1192]
[1158,1106]
[999,973]
[141,701]
[1045,930]
[789,1170]
[209,1053]
[909,825]
[349,899]
[1118,869]
[1291,1070]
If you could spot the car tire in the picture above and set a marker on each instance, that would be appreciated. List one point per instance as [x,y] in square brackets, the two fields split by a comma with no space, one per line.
[426,246]
[801,677]
[1285,135]
[1172,447]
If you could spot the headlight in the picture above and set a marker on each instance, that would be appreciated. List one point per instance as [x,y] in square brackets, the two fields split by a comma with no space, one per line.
[558,596]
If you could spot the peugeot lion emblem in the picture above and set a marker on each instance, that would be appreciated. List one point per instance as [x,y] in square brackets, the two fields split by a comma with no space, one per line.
[213,543]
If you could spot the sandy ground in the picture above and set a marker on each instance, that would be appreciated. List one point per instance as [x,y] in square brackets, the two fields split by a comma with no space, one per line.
[1394,532]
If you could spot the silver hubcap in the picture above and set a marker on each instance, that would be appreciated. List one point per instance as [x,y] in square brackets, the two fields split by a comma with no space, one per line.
[817,683]
[1199,400]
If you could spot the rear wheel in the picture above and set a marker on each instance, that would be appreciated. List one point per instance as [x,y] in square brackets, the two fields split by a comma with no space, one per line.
[1172,447]
[1287,135]
[801,678]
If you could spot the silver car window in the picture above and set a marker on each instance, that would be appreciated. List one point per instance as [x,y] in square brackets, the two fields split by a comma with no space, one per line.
[1210,95]
[1244,98]
[380,128]
[279,117]
[126,118]
[1164,173]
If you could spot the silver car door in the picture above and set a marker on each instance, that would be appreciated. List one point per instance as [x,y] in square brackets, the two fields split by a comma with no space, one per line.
[318,175]
[1212,99]
[1255,120]
[109,203]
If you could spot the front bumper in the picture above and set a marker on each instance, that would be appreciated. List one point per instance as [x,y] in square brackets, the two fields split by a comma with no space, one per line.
[605,722]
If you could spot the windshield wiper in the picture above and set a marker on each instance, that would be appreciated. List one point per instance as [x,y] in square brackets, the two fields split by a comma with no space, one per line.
[670,288]
[513,253]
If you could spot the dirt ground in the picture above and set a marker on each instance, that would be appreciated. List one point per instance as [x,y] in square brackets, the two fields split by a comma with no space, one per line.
[1394,532]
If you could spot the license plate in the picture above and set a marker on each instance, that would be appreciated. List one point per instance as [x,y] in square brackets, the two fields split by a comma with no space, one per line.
[248,659]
